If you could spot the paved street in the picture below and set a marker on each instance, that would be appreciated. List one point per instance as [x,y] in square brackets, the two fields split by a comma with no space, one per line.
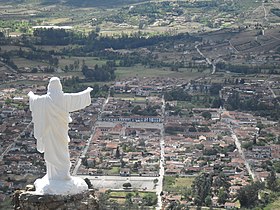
[161,163]
[238,146]
[79,160]
[116,182]
[208,60]
[131,124]
[137,182]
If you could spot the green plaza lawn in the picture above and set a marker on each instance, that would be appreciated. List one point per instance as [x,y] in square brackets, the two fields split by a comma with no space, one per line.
[176,185]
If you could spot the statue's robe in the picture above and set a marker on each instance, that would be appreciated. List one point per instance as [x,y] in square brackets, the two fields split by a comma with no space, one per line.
[50,115]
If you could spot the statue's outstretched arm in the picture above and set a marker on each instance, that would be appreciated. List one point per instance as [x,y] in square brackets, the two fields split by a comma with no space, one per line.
[77,101]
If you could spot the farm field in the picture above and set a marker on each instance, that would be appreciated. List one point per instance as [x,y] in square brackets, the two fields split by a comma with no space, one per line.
[141,71]
[116,17]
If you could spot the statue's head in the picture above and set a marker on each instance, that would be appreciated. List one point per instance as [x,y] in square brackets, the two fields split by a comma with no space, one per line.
[55,85]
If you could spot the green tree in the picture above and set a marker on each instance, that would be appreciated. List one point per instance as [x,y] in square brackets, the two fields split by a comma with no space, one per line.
[215,88]
[248,195]
[128,200]
[206,115]
[276,165]
[127,185]
[135,166]
[260,126]
[103,200]
[136,109]
[221,181]
[201,188]
[117,153]
[208,201]
[233,101]
[216,103]
[66,68]
[272,183]
[150,199]
[84,161]
[222,196]
[34,70]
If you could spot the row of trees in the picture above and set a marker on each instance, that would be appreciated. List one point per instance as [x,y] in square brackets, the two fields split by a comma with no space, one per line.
[202,98]
[74,85]
[177,94]
[244,69]
[7,60]
[33,54]
[253,103]
[93,42]
[256,194]
[135,41]
[207,183]
[39,55]
[148,111]
[58,37]
[205,186]
[102,73]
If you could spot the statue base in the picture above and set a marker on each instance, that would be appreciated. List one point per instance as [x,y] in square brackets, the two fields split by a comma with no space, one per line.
[27,200]
[72,186]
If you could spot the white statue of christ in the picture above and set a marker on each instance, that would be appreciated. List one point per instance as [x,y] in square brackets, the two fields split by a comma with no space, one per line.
[50,115]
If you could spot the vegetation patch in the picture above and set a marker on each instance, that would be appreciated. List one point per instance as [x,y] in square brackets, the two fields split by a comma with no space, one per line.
[177,185]
[274,205]
[114,170]
[132,199]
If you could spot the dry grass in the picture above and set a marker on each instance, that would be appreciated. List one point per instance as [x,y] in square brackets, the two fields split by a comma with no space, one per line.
[176,185]
[89,61]
[142,71]
[58,20]
[22,62]
[184,182]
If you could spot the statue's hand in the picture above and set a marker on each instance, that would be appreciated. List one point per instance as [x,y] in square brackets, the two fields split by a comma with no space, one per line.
[30,94]
[89,88]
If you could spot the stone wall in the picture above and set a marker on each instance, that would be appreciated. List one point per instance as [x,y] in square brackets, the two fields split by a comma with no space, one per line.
[26,200]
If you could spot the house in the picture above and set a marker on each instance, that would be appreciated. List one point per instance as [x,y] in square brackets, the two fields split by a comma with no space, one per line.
[260,152]
[111,146]
[233,189]
[230,205]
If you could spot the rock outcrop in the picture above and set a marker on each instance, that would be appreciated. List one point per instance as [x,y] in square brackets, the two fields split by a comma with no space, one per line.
[27,200]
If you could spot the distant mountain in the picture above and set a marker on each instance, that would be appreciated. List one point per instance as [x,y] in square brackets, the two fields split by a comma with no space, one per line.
[80,3]
[32,1]
[107,3]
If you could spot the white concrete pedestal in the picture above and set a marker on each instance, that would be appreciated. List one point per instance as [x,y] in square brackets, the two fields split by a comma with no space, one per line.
[74,185]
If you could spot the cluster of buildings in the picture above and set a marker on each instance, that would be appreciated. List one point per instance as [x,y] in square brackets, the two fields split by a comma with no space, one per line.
[122,136]
[196,143]
[190,151]
[17,146]
[146,86]
[252,88]
[121,150]
[134,109]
